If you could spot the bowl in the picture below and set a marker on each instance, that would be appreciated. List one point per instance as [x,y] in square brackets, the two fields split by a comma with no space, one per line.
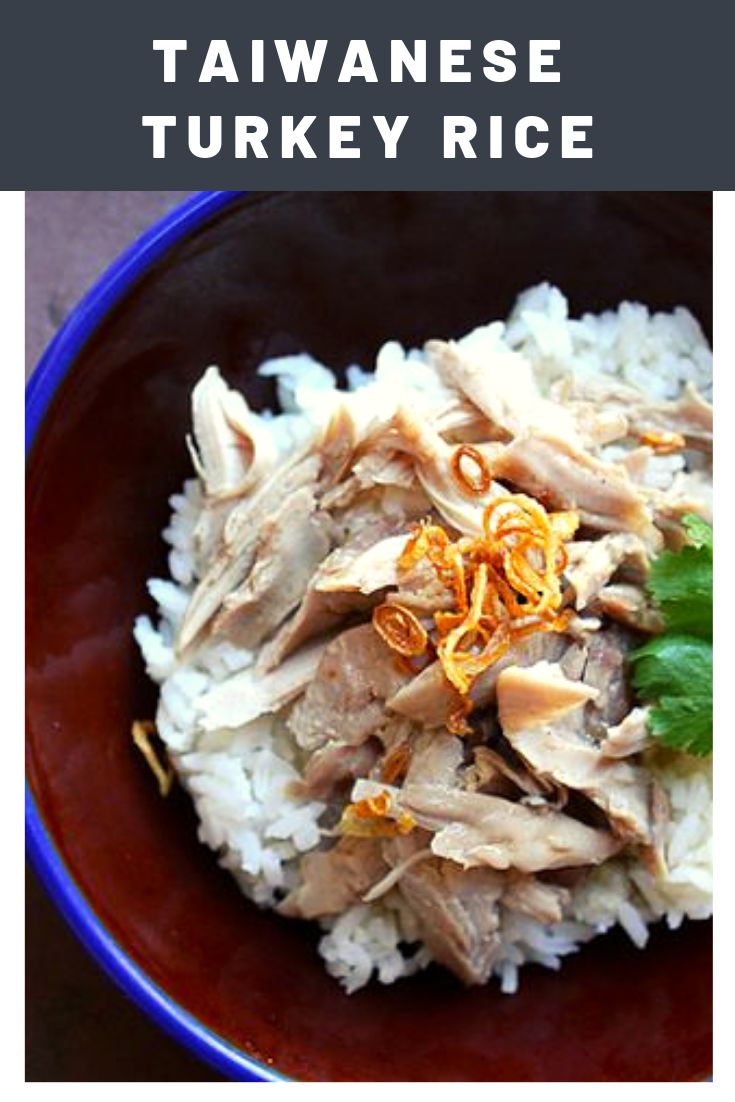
[233,278]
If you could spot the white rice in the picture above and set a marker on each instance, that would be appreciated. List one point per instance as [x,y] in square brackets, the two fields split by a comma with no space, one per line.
[240,780]
[372,938]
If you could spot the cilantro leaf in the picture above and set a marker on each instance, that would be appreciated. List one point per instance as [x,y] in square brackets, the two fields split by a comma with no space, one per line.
[683,723]
[680,582]
[698,530]
[675,671]
[673,665]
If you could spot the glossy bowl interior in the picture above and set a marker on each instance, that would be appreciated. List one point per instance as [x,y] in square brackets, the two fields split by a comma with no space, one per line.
[237,279]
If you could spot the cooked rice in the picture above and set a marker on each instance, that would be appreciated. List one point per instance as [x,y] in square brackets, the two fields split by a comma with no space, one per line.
[241,780]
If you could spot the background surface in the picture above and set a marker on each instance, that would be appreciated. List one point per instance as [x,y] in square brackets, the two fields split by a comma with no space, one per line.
[71,237]
[79,1027]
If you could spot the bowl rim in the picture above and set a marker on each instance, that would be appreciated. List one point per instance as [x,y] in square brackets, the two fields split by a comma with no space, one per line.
[65,893]
[41,388]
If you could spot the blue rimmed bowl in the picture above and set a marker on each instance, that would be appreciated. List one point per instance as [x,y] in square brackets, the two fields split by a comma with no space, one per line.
[234,278]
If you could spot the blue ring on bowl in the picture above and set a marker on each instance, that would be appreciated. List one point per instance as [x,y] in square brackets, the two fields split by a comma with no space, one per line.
[45,858]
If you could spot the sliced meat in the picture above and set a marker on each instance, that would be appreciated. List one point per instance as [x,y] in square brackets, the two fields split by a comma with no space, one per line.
[621,790]
[573,662]
[629,737]
[334,879]
[317,614]
[233,450]
[579,628]
[432,460]
[592,563]
[692,416]
[461,422]
[598,426]
[629,605]
[376,465]
[345,495]
[502,385]
[637,463]
[346,699]
[249,694]
[366,571]
[397,737]
[315,468]
[689,416]
[690,492]
[555,751]
[436,759]
[357,507]
[605,658]
[420,590]
[540,647]
[485,775]
[492,773]
[383,466]
[350,581]
[333,765]
[207,534]
[598,659]
[456,912]
[417,851]
[530,896]
[655,854]
[236,551]
[473,829]
[394,731]
[292,543]
[560,475]
[537,695]
[336,448]
[428,698]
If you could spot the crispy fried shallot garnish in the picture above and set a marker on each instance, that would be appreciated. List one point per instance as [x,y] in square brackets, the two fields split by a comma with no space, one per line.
[142,730]
[663,443]
[470,470]
[375,817]
[400,629]
[506,585]
[396,762]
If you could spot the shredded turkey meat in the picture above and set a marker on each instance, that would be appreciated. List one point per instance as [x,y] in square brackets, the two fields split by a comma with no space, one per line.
[540,713]
[441,597]
[457,914]
[474,829]
[346,696]
[334,879]
[557,473]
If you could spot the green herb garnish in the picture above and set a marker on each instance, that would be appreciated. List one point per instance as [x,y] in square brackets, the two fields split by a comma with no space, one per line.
[681,582]
[674,671]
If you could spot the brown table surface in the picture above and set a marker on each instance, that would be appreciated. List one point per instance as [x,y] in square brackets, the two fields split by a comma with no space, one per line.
[79,1027]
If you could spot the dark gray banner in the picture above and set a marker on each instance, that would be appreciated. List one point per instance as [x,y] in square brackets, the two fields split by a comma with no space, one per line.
[634,96]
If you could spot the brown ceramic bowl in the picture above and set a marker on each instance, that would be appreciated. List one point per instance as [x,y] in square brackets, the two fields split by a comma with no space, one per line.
[232,279]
